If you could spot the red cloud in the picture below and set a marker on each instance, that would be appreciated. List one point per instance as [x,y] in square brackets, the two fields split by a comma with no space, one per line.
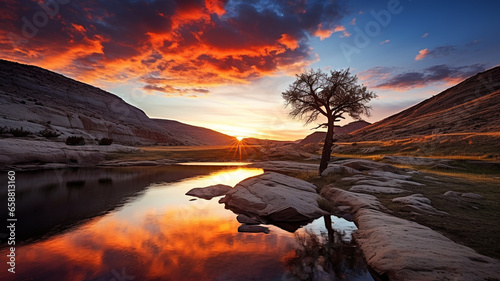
[195,43]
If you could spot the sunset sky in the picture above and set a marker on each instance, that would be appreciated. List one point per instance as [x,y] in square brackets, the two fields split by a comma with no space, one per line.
[223,64]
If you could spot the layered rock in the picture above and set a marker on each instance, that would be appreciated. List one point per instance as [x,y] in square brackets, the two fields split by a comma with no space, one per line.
[275,198]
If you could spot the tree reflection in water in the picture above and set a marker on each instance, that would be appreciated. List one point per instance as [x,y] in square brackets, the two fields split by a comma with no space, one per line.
[325,256]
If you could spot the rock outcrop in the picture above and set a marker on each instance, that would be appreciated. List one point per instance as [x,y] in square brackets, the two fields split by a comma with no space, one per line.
[275,198]
[40,154]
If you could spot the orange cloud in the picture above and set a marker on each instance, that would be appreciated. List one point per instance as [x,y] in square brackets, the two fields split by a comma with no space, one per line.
[324,33]
[422,54]
[290,42]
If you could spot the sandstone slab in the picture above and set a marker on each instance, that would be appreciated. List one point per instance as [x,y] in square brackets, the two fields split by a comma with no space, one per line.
[275,197]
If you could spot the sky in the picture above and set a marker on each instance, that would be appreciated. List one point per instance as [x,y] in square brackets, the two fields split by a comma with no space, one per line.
[223,64]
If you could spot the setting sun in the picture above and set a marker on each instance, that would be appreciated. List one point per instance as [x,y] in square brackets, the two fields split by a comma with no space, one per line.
[240,138]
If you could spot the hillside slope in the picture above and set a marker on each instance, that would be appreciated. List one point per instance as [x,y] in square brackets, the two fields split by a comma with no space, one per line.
[472,106]
[37,99]
[194,135]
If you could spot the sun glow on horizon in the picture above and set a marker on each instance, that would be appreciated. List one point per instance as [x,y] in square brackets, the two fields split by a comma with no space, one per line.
[239,138]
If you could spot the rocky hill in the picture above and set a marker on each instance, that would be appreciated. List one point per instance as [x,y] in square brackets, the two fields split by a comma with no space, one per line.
[37,99]
[472,106]
[317,137]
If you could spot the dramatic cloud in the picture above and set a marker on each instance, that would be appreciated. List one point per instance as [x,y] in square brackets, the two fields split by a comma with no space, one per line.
[191,44]
[437,52]
[430,75]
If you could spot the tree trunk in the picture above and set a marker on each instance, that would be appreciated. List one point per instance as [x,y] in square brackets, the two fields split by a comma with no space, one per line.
[327,147]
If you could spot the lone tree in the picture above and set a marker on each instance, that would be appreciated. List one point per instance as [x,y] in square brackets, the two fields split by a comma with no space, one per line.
[330,94]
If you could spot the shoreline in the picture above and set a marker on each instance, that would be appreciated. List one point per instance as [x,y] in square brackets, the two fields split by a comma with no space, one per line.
[372,235]
[399,249]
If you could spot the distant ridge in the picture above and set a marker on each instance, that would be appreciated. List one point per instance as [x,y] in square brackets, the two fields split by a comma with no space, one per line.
[36,99]
[318,137]
[472,106]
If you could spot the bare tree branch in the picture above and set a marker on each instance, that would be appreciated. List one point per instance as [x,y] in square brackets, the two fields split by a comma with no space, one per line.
[331,94]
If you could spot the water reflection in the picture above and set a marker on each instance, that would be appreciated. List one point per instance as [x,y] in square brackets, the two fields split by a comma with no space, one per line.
[52,201]
[139,224]
[325,256]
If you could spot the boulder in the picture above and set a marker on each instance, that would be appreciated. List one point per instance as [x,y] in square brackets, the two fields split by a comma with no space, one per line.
[275,198]
[209,192]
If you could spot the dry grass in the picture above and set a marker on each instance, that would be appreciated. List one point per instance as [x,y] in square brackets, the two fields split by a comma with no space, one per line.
[470,146]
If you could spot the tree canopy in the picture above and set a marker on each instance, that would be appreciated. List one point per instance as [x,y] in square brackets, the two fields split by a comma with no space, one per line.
[332,94]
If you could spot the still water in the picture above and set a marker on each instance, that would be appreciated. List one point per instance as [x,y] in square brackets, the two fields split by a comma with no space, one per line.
[136,223]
